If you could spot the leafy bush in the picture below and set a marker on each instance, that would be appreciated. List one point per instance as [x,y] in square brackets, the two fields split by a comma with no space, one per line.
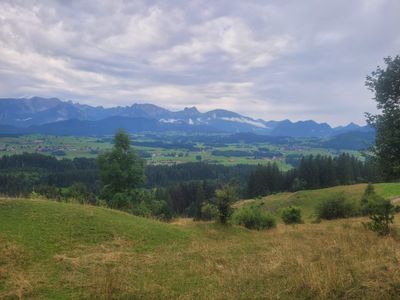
[121,201]
[381,214]
[208,211]
[368,196]
[224,199]
[380,211]
[291,215]
[335,207]
[146,203]
[253,218]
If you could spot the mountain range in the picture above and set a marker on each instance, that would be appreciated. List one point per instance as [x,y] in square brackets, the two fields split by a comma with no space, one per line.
[53,116]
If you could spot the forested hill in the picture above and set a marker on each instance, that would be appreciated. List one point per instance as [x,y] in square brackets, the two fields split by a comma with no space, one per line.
[182,188]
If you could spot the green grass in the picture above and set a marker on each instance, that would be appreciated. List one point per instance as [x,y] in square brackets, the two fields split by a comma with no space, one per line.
[47,227]
[52,250]
[89,147]
[308,200]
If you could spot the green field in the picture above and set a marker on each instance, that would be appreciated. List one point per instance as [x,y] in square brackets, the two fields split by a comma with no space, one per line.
[52,250]
[309,200]
[71,147]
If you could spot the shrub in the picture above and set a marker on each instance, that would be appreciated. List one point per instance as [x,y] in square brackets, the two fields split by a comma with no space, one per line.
[380,212]
[145,203]
[291,215]
[224,199]
[121,201]
[368,196]
[335,207]
[253,218]
[381,217]
[208,211]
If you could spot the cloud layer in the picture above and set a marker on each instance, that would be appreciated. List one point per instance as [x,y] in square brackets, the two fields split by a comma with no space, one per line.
[268,59]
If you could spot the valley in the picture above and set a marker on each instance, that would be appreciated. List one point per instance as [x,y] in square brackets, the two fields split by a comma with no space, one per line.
[173,148]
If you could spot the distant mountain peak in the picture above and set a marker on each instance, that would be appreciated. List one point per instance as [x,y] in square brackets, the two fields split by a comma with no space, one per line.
[191,110]
[36,111]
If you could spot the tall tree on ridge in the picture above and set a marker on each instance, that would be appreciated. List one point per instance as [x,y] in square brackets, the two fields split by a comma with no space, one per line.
[385,83]
[121,169]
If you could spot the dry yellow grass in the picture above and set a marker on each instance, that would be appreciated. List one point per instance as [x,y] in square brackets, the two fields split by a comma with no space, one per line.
[331,260]
[16,274]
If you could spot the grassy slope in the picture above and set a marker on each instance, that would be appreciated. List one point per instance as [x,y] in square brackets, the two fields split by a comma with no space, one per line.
[44,230]
[51,250]
[309,199]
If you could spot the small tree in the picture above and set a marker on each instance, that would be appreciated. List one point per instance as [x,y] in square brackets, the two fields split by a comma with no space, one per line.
[381,214]
[291,215]
[121,169]
[369,191]
[368,196]
[225,196]
[385,83]
[380,211]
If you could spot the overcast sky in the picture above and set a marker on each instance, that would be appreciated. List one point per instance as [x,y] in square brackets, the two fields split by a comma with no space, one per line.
[266,59]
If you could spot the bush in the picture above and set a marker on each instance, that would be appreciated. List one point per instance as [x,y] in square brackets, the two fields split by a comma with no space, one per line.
[368,197]
[381,214]
[146,204]
[380,211]
[208,211]
[121,201]
[335,207]
[224,199]
[253,218]
[291,215]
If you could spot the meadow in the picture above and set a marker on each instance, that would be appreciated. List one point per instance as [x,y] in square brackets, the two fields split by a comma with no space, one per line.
[167,150]
[308,200]
[53,250]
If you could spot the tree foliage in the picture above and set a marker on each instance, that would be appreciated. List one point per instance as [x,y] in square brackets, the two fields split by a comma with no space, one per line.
[121,169]
[225,196]
[381,215]
[385,83]
[313,172]
[291,215]
[253,217]
[380,211]
[335,207]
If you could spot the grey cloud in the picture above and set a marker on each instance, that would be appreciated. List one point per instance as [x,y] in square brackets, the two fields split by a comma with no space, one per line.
[270,59]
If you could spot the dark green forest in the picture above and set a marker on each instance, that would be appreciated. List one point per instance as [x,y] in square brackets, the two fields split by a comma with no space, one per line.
[180,189]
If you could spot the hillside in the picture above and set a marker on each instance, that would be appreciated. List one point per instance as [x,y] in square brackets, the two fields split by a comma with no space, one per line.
[309,199]
[52,250]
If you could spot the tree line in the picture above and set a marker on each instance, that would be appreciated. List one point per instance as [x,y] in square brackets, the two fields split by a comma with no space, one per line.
[120,179]
[313,172]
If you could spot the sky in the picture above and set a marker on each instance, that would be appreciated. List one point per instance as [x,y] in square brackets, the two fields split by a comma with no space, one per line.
[274,60]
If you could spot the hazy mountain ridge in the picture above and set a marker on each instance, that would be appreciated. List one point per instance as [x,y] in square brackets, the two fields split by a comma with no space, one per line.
[59,117]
